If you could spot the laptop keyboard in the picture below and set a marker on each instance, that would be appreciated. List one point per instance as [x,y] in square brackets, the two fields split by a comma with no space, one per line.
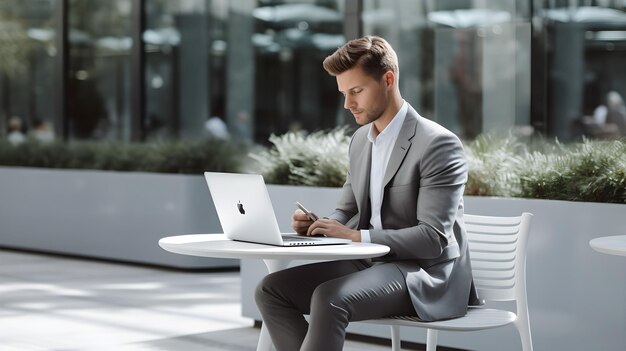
[297,238]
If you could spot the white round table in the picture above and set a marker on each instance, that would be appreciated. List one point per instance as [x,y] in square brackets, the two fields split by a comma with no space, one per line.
[274,257]
[612,245]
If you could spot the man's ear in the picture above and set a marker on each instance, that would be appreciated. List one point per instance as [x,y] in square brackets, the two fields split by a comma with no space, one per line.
[390,78]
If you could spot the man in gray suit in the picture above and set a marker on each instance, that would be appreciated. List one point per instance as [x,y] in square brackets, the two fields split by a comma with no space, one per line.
[403,189]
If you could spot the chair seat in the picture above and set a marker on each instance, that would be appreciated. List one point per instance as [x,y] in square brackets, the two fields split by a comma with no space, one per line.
[475,319]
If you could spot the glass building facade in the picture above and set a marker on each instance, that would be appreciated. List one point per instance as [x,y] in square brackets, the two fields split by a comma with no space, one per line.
[153,70]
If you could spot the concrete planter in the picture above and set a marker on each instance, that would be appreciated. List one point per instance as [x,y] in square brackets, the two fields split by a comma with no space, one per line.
[102,214]
[576,295]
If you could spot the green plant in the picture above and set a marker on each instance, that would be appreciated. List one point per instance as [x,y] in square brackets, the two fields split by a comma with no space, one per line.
[15,44]
[593,171]
[317,159]
[492,165]
[497,166]
[190,157]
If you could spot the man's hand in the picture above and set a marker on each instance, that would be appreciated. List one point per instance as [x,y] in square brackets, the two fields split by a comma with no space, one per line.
[300,222]
[331,227]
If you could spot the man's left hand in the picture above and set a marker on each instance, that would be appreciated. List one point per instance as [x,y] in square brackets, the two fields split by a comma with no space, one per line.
[332,228]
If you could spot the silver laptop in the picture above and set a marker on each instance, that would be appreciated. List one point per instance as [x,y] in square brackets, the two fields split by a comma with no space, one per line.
[245,211]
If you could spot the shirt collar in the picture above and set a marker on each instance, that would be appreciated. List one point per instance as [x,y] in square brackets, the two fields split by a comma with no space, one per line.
[393,128]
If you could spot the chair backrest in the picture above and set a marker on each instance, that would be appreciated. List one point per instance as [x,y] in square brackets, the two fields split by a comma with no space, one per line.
[498,254]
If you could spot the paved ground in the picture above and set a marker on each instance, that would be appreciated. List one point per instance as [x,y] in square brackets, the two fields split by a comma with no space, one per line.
[59,303]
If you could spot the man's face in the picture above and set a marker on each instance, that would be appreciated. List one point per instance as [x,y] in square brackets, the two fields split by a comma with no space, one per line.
[366,97]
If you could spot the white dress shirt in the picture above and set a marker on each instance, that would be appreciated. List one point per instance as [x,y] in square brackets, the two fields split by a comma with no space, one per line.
[382,145]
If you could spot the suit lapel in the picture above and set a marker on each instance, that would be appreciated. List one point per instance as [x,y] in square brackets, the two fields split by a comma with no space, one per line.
[361,177]
[402,145]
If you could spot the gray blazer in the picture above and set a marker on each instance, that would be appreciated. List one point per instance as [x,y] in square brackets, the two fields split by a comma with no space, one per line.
[422,213]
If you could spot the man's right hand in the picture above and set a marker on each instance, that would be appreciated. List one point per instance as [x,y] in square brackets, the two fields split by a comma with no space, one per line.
[300,222]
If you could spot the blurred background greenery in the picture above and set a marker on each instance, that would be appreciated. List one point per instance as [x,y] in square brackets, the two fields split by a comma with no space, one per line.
[192,157]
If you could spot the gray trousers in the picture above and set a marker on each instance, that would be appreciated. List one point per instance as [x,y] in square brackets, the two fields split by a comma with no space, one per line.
[333,294]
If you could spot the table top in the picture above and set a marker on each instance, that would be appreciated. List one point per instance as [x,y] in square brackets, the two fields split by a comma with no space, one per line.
[612,245]
[217,245]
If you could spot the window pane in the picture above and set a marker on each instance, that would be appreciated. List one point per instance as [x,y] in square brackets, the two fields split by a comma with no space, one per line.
[179,36]
[27,56]
[241,69]
[584,50]
[465,64]
[99,69]
[292,91]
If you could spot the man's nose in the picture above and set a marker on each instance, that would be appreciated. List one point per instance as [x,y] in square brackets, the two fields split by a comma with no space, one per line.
[348,102]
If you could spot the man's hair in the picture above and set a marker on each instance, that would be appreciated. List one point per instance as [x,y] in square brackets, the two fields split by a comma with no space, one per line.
[372,54]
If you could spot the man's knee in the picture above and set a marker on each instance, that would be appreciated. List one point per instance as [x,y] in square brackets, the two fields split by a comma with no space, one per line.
[272,287]
[328,299]
[261,293]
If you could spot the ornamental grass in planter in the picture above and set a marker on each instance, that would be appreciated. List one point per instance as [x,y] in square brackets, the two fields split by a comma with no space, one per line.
[593,171]
[189,157]
[317,159]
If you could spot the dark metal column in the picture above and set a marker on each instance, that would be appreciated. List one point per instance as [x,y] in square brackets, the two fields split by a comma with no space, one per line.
[60,121]
[137,84]
[353,25]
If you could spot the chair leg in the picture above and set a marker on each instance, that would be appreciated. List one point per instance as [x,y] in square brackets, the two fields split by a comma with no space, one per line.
[522,324]
[431,340]
[395,337]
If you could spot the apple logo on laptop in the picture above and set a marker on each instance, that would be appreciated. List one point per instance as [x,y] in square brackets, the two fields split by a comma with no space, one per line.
[240,207]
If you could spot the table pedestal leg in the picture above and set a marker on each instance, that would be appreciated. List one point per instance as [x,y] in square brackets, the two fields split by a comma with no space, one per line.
[274,265]
[265,342]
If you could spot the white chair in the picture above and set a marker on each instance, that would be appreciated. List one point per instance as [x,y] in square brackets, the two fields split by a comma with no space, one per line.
[498,253]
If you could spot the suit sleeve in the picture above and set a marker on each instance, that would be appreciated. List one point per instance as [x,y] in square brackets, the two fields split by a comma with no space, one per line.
[442,178]
[346,207]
